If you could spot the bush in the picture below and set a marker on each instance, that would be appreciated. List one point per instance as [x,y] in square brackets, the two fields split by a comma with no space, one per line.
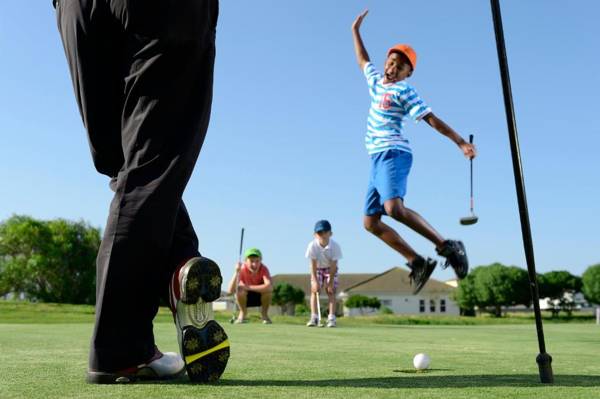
[385,310]
[286,296]
[361,301]
[302,310]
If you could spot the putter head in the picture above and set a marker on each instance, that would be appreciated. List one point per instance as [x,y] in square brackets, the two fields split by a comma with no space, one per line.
[469,220]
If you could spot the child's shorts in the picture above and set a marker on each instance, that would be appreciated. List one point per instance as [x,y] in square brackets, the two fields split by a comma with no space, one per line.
[324,276]
[387,180]
[254,299]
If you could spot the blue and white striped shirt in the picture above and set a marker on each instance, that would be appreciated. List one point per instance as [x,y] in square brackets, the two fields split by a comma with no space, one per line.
[391,104]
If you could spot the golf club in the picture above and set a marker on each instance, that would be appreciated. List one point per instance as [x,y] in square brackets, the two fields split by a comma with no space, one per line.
[472,219]
[318,310]
[237,281]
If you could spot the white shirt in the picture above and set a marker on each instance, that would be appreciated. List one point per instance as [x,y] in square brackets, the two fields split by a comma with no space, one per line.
[323,255]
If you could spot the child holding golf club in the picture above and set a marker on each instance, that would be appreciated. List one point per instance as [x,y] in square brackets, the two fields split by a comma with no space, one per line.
[393,101]
[324,254]
[252,286]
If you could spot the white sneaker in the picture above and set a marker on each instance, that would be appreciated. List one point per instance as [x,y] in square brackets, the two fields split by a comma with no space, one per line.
[331,323]
[162,366]
[203,343]
[312,322]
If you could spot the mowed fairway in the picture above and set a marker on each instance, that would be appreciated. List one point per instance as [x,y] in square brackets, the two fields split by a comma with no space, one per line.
[292,361]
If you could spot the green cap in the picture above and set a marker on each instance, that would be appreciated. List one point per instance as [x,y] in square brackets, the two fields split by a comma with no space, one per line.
[252,252]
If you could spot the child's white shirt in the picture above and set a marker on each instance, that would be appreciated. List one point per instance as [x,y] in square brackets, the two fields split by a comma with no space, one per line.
[324,255]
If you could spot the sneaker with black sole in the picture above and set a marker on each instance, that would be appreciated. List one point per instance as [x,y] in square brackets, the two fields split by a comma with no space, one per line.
[162,366]
[420,272]
[456,256]
[203,343]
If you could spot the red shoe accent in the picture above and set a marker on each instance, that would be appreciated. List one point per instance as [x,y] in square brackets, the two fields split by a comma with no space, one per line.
[175,288]
[133,370]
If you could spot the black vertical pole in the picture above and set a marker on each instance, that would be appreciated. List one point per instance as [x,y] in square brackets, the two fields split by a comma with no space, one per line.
[544,360]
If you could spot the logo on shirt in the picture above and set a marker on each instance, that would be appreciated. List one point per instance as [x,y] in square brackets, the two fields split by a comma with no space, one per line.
[386,101]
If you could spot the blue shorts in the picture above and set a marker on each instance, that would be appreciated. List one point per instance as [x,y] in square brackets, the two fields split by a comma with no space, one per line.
[389,174]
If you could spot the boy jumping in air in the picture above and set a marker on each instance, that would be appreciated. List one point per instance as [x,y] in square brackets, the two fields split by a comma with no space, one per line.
[392,101]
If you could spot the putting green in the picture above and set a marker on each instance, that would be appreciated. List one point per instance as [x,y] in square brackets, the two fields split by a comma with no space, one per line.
[282,360]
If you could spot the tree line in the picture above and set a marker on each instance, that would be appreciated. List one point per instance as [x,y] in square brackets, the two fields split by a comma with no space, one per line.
[48,261]
[55,261]
[494,287]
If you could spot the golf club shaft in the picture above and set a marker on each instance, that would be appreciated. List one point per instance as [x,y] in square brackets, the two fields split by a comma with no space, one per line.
[318,308]
[471,165]
[241,245]
[237,279]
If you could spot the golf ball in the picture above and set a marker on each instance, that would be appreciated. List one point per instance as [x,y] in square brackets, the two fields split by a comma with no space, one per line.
[421,361]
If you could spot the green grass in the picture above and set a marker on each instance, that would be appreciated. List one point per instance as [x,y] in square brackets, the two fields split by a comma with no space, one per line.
[48,360]
[27,312]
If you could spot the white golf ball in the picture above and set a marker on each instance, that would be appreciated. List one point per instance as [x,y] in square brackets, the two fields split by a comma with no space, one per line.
[421,361]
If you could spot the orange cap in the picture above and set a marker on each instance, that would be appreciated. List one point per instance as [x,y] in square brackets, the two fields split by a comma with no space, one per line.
[407,51]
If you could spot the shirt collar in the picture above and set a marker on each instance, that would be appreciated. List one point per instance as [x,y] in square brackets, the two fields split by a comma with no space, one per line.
[319,244]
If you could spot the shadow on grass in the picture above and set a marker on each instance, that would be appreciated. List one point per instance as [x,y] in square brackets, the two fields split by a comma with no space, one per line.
[419,380]
[421,372]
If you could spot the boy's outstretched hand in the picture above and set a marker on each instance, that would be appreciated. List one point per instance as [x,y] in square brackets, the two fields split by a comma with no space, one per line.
[358,21]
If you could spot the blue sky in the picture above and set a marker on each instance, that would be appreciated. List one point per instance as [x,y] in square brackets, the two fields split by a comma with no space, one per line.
[285,143]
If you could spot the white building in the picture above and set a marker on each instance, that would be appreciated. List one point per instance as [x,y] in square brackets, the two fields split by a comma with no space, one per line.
[391,287]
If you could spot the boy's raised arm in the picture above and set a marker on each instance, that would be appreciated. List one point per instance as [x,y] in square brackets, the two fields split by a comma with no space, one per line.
[362,57]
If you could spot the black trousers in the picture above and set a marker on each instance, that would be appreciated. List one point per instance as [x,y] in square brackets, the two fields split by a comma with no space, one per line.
[143,74]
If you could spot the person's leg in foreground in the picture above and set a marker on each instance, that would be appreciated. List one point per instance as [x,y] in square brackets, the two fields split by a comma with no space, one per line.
[142,73]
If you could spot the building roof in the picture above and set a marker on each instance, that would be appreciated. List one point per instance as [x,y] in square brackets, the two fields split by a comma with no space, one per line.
[394,281]
[302,281]
[452,282]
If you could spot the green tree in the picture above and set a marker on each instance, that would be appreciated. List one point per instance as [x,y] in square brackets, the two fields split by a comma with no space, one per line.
[464,295]
[556,285]
[49,261]
[498,285]
[591,284]
[287,296]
